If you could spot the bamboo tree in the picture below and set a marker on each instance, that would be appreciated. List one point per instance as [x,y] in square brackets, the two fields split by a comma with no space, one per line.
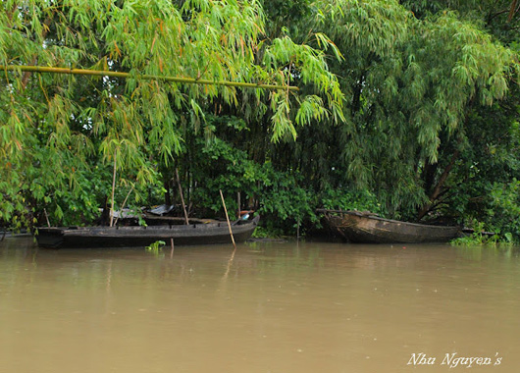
[58,132]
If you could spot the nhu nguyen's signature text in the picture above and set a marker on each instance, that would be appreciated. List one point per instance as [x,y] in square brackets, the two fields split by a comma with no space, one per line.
[453,360]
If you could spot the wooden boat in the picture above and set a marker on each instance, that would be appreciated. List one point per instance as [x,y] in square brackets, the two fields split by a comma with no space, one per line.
[193,234]
[359,227]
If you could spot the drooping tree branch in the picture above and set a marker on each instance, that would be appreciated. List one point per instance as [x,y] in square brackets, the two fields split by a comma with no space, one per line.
[513,10]
[440,184]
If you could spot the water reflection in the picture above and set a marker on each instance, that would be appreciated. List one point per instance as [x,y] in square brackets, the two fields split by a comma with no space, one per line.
[266,307]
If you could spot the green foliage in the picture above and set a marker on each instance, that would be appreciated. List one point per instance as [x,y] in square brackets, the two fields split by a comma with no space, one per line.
[358,200]
[504,215]
[476,237]
[273,194]
[262,232]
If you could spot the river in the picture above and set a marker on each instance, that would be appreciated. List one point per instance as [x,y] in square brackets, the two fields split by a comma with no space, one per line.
[267,307]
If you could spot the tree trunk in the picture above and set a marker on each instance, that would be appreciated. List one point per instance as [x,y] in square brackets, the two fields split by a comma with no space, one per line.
[438,187]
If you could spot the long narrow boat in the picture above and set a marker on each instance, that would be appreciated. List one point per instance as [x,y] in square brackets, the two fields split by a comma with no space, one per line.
[193,234]
[359,227]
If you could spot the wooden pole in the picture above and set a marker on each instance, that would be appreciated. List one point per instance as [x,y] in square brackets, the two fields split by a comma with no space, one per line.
[172,244]
[228,222]
[116,74]
[124,203]
[47,217]
[113,189]
[182,197]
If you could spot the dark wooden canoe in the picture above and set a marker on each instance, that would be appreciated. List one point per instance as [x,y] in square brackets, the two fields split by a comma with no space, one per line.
[361,227]
[194,234]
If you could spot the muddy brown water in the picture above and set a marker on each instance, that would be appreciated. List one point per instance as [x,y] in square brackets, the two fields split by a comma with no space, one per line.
[269,307]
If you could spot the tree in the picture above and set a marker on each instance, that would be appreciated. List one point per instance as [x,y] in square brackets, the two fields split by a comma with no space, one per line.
[61,134]
[413,84]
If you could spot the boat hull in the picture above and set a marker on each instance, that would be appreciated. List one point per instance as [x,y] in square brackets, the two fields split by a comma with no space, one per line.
[194,234]
[360,228]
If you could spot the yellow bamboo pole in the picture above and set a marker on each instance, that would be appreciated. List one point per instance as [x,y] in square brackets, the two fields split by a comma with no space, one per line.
[116,74]
[228,222]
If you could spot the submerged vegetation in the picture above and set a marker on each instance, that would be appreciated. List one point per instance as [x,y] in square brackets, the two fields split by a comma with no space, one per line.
[408,109]
[156,247]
